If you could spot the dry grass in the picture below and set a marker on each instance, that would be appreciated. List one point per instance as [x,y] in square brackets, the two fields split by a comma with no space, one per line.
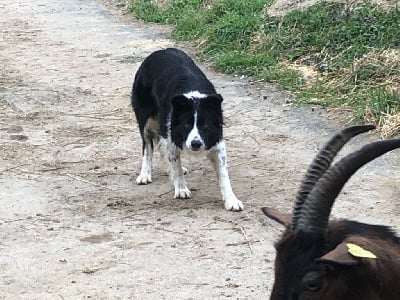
[386,64]
[390,125]
[281,7]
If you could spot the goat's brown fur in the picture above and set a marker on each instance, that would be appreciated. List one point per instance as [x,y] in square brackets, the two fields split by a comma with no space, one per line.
[364,279]
[378,278]
[317,259]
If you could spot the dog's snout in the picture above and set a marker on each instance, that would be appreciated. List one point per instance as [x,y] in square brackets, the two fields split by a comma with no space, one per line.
[196,144]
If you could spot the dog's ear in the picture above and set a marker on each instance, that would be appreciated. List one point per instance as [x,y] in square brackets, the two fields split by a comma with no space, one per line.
[180,103]
[212,101]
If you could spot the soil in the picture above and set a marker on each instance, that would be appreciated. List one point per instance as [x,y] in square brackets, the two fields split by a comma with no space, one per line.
[73,223]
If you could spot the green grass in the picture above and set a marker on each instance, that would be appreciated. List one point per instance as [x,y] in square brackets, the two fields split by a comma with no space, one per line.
[344,45]
[331,35]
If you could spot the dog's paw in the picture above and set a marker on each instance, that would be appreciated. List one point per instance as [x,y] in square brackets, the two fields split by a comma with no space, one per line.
[143,179]
[233,204]
[182,193]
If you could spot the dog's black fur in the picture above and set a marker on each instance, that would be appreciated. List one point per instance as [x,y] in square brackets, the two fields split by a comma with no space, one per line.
[160,83]
[178,108]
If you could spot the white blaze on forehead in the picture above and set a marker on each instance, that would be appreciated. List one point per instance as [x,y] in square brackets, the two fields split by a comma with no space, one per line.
[194,94]
[194,134]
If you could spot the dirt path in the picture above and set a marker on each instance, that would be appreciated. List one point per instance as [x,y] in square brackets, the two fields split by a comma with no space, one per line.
[72,223]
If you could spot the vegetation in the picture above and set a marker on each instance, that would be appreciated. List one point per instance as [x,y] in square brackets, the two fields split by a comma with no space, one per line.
[332,54]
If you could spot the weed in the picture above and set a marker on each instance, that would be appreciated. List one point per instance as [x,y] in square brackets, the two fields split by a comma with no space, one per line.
[346,45]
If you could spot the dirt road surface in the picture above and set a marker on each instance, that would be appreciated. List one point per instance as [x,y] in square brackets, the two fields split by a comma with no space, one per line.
[73,225]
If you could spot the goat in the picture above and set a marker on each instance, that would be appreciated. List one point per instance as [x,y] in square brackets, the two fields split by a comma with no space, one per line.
[337,260]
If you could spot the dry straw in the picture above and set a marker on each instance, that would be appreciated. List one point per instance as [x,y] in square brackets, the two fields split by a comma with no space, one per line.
[390,125]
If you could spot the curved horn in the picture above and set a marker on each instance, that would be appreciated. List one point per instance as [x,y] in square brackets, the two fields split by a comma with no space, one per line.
[318,205]
[321,163]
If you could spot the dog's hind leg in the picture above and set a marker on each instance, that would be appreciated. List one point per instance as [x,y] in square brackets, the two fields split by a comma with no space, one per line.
[218,158]
[145,172]
[173,155]
[145,112]
[148,139]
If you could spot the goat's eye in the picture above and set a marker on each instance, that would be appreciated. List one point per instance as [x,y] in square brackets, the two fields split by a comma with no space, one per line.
[313,285]
[312,281]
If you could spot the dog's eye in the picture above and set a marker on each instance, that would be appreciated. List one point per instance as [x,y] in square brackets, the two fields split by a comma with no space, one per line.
[187,125]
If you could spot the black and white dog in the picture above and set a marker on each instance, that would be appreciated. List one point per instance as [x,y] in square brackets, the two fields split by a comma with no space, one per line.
[177,108]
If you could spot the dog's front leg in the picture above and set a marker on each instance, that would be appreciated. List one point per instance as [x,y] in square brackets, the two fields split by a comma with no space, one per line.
[218,158]
[177,173]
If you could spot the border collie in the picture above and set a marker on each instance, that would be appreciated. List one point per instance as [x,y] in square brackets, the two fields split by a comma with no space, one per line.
[178,109]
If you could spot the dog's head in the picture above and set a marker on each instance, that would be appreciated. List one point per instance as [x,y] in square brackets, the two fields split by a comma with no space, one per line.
[196,121]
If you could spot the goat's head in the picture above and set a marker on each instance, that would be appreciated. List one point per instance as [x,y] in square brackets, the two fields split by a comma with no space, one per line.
[306,264]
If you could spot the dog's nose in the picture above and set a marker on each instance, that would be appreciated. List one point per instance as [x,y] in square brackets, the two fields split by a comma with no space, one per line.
[195,144]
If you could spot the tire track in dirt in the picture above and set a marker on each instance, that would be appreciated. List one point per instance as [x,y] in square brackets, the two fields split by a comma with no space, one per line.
[74,225]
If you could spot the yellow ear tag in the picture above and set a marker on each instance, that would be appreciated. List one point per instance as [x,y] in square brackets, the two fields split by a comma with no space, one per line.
[357,251]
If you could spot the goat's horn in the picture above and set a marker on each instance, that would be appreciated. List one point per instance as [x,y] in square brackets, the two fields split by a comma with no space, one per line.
[318,205]
[321,163]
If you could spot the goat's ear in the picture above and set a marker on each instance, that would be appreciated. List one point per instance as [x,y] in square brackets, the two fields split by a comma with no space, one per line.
[347,254]
[276,215]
